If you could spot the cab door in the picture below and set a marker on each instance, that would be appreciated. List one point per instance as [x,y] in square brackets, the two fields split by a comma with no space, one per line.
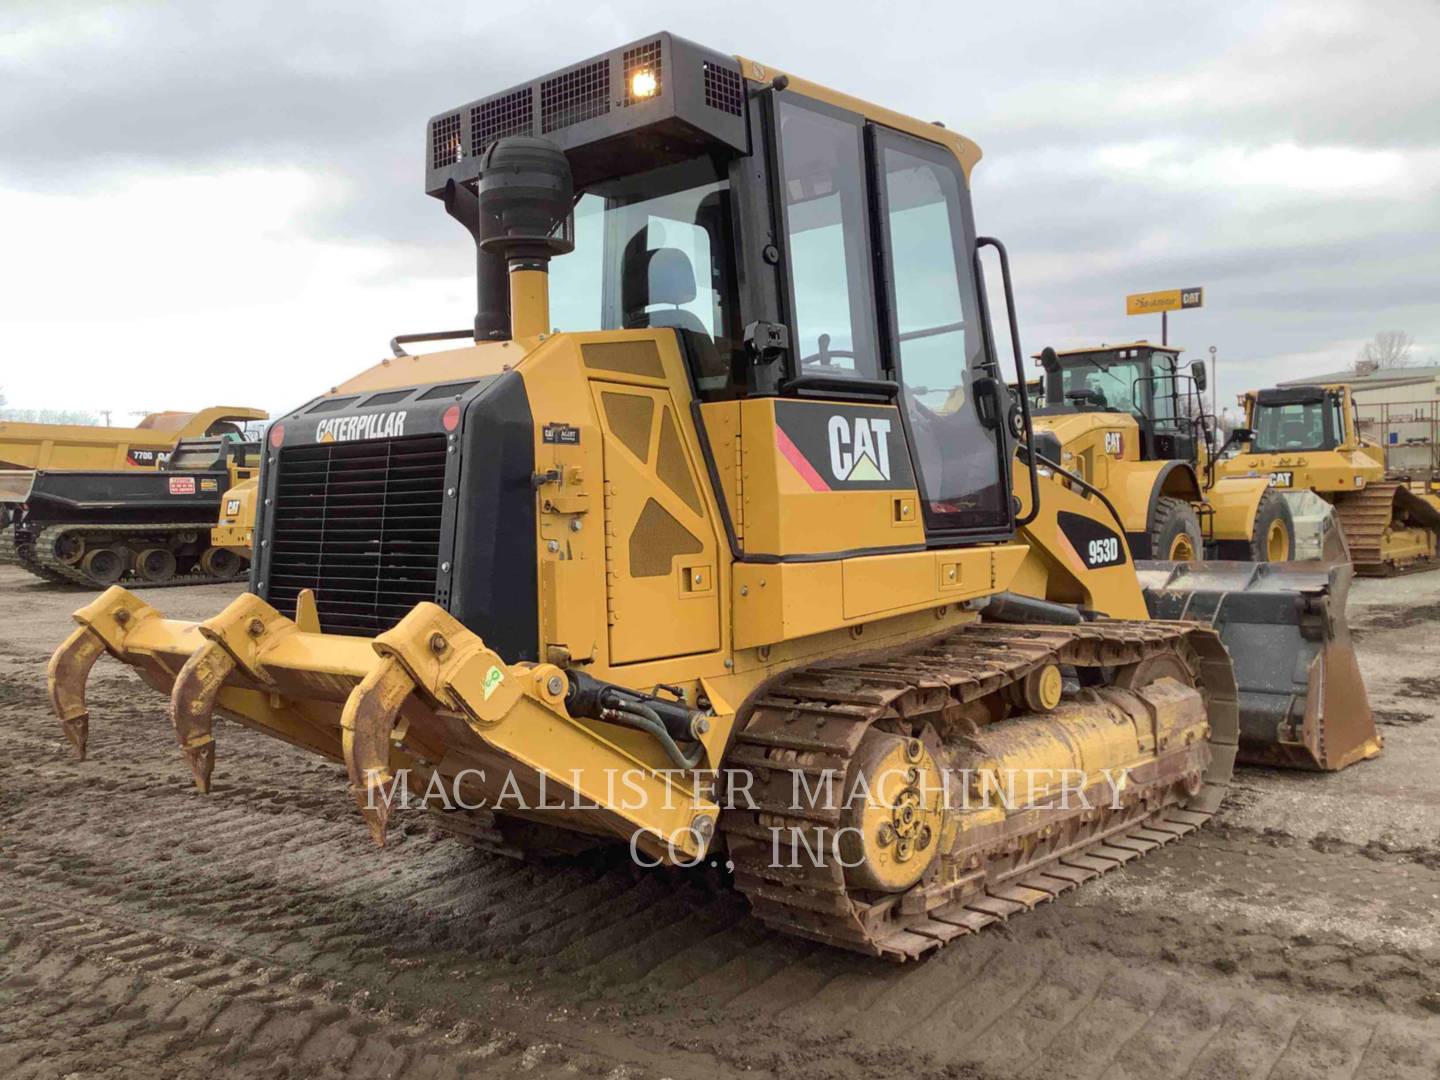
[937,344]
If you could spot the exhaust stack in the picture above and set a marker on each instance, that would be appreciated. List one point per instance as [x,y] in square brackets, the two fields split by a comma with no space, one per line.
[524,211]
[492,315]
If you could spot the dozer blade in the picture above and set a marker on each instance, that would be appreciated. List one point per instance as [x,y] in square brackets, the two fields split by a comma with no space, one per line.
[1302,701]
[426,698]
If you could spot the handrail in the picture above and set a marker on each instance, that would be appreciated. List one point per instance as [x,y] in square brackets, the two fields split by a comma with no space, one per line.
[990,241]
[434,335]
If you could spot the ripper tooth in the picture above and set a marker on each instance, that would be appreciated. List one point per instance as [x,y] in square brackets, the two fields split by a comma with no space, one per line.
[192,705]
[368,720]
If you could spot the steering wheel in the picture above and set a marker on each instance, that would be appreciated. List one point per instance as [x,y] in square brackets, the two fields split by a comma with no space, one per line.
[823,355]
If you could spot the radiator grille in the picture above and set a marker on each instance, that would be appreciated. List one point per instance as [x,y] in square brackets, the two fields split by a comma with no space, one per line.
[724,89]
[499,119]
[445,146]
[359,523]
[582,94]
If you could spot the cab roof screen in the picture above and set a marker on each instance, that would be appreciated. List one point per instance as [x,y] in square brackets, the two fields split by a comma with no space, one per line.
[650,103]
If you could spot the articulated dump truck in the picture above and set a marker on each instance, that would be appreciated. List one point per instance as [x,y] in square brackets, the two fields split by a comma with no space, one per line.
[746,563]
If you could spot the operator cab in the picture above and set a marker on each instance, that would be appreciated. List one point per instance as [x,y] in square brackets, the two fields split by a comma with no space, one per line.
[1297,418]
[802,244]
[1147,381]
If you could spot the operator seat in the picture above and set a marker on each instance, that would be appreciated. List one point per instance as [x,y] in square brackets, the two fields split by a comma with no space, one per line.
[664,276]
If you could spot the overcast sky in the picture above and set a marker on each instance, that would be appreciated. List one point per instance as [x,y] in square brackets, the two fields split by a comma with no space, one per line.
[223,203]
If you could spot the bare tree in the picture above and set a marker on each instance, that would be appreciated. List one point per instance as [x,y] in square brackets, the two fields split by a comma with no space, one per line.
[50,416]
[1388,349]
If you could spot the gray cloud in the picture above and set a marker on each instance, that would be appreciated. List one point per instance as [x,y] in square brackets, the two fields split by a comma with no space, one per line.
[96,92]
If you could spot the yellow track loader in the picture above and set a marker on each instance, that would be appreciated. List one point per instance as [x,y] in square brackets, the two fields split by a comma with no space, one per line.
[715,540]
[1129,419]
[1305,439]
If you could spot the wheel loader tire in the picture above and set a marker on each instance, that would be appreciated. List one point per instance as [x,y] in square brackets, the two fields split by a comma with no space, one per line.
[1175,531]
[1273,538]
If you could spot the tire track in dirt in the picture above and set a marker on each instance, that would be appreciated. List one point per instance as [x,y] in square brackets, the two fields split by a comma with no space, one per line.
[284,937]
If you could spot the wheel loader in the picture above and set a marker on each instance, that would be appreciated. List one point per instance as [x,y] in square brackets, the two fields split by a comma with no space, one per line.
[181,524]
[715,540]
[1130,420]
[1305,442]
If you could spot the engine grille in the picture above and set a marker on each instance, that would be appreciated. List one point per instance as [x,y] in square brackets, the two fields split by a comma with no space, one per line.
[359,523]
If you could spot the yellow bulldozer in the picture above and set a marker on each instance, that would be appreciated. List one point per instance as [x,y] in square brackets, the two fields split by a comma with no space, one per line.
[1306,443]
[1129,419]
[716,539]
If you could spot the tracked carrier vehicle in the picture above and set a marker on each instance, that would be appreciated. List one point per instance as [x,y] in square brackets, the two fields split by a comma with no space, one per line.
[154,527]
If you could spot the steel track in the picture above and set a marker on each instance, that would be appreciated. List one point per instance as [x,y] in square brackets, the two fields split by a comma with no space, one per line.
[53,569]
[1364,516]
[814,719]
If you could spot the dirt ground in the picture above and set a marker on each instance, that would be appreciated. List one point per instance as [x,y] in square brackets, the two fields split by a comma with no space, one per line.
[145,928]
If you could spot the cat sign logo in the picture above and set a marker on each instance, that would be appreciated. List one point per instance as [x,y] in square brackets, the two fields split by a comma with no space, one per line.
[1115,443]
[1147,303]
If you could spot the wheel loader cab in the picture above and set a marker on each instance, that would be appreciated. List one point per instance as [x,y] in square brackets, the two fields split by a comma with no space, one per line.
[1139,379]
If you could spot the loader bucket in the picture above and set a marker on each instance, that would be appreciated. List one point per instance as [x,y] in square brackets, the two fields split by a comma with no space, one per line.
[426,698]
[1302,701]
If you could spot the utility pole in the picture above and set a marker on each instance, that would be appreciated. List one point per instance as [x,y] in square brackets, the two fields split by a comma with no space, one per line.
[106,414]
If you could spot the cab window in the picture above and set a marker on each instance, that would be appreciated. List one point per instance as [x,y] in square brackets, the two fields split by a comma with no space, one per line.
[1337,419]
[832,326]
[1295,426]
[655,250]
[936,337]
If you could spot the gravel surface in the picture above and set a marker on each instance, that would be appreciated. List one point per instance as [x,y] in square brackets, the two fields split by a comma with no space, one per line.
[146,929]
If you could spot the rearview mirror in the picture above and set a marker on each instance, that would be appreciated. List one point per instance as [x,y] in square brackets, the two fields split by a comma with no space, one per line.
[1197,372]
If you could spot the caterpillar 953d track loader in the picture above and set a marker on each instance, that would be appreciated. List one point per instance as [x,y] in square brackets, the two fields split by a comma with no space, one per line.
[727,567]
[1305,441]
